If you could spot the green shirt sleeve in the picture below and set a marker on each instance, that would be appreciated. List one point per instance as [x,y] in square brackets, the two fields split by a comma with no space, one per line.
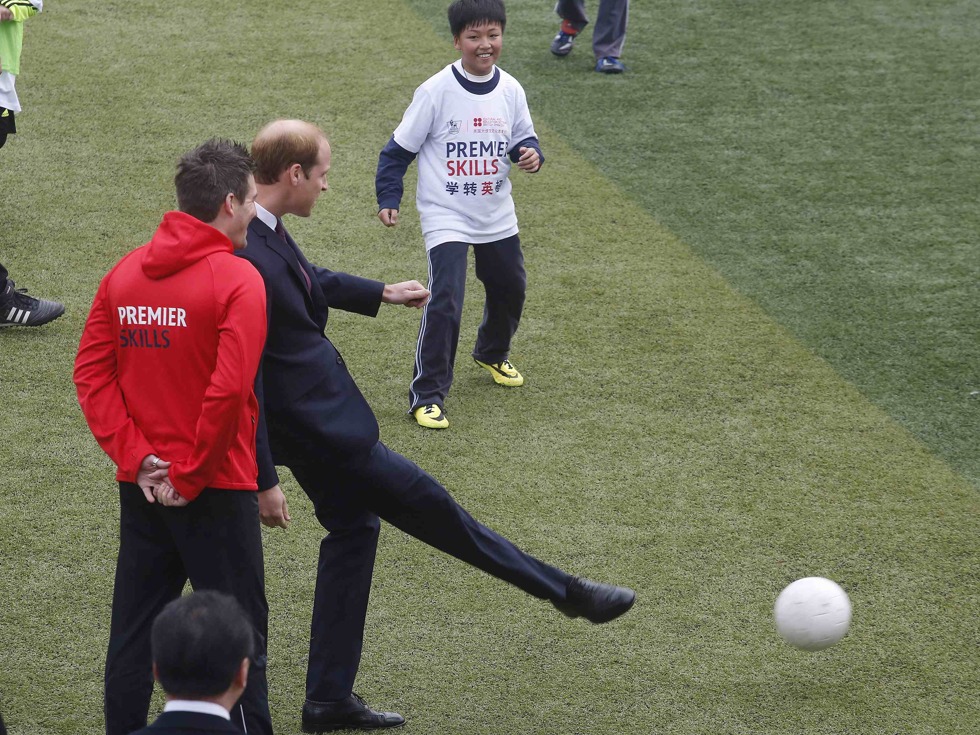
[22,9]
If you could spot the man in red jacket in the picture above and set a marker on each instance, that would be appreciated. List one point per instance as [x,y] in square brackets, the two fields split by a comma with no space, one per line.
[164,374]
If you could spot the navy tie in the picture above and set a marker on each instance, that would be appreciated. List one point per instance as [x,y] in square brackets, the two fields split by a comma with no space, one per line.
[281,231]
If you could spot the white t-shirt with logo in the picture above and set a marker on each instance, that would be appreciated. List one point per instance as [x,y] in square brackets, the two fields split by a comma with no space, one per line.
[462,140]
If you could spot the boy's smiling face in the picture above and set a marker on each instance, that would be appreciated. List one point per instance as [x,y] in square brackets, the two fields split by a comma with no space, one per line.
[479,47]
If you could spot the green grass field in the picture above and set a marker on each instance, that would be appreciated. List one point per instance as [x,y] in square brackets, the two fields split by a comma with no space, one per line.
[751,343]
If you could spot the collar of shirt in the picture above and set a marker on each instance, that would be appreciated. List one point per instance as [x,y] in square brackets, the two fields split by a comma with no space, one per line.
[204,708]
[267,217]
[473,77]
[471,83]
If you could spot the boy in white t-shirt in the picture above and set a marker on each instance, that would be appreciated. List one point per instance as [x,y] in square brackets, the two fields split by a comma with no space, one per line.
[466,124]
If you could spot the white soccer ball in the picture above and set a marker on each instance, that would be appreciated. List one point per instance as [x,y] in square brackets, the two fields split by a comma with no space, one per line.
[812,613]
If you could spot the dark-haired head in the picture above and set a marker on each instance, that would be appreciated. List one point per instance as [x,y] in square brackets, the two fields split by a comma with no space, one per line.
[208,174]
[466,13]
[199,643]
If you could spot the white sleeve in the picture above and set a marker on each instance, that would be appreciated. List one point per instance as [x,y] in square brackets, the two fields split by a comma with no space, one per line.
[523,127]
[416,123]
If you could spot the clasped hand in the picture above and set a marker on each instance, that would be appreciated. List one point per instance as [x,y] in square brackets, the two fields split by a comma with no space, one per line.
[154,481]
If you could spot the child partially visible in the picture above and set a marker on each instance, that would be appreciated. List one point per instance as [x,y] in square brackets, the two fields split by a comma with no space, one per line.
[13,13]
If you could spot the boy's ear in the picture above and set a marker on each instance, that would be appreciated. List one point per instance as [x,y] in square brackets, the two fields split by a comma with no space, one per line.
[456,43]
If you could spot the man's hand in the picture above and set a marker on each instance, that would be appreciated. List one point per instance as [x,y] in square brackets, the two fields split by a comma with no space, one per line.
[151,473]
[529,161]
[388,217]
[272,508]
[6,13]
[168,496]
[407,293]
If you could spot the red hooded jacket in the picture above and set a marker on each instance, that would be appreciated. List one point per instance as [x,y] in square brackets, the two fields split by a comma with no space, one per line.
[167,361]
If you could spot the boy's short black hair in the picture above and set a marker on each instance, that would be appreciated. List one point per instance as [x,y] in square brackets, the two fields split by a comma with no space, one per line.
[199,642]
[466,13]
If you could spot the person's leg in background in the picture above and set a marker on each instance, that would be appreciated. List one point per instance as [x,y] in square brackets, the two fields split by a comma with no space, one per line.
[573,20]
[609,35]
[500,268]
[438,334]
[17,309]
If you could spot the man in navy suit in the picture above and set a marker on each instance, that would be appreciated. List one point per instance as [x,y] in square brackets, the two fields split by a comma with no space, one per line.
[314,420]
[201,649]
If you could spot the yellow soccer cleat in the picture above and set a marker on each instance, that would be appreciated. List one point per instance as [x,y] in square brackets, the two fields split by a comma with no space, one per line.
[431,416]
[503,373]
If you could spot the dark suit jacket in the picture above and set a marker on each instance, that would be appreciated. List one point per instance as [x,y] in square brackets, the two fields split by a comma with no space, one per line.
[188,723]
[309,404]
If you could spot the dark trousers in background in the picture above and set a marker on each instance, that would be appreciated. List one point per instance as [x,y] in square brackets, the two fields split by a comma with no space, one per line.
[609,33]
[500,267]
[216,543]
[348,498]
[8,125]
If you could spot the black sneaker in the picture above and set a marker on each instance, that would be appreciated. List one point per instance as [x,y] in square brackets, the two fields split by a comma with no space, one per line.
[17,309]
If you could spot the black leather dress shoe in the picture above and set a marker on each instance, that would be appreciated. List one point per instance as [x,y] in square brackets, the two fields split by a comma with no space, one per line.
[351,713]
[595,601]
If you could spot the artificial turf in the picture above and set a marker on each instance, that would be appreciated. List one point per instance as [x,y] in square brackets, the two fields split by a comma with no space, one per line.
[749,341]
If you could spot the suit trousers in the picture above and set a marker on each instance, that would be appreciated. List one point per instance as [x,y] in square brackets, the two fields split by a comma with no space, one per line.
[609,33]
[349,497]
[500,267]
[216,543]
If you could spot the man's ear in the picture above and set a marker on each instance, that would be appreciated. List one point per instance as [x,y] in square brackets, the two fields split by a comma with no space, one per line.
[294,174]
[228,206]
[156,674]
[241,677]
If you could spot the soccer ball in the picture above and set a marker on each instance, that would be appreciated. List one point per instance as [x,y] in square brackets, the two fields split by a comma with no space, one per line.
[812,613]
